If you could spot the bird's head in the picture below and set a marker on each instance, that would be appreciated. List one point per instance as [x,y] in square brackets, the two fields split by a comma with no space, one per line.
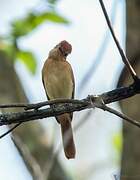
[65,48]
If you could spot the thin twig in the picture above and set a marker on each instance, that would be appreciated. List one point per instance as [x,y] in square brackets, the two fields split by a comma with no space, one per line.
[124,58]
[10,130]
[119,114]
[13,105]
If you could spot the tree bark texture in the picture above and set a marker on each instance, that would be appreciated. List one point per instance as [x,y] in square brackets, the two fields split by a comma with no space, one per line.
[130,164]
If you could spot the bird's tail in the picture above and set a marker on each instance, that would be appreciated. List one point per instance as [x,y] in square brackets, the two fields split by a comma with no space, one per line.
[67,135]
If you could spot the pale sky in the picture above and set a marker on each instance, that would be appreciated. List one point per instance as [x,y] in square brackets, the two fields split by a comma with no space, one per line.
[86,34]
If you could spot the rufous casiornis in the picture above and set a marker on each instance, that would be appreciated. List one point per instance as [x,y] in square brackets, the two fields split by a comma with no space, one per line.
[58,81]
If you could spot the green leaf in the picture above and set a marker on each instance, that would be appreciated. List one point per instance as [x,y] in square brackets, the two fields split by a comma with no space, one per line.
[54,17]
[23,26]
[28,24]
[28,59]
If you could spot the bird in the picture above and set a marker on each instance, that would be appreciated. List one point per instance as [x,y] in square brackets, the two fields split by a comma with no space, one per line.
[58,81]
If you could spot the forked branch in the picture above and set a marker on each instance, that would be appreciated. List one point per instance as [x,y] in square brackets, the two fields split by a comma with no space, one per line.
[67,105]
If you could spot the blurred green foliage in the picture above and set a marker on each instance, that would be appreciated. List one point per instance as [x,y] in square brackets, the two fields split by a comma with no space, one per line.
[52,1]
[28,59]
[25,25]
[117,142]
[117,146]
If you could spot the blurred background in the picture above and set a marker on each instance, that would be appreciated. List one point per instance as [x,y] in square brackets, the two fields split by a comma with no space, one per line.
[106,147]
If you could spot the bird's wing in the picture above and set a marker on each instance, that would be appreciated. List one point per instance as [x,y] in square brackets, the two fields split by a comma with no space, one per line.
[72,76]
[73,81]
[73,92]
[44,86]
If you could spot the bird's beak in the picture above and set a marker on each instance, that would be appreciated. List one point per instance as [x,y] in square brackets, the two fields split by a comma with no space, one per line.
[63,53]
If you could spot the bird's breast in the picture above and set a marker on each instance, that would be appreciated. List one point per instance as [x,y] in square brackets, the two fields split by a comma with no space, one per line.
[58,80]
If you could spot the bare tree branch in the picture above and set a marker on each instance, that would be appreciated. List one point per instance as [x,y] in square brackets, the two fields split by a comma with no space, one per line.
[40,104]
[108,97]
[124,58]
[121,115]
[68,105]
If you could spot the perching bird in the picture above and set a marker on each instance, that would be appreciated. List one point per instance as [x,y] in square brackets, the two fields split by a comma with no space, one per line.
[58,81]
